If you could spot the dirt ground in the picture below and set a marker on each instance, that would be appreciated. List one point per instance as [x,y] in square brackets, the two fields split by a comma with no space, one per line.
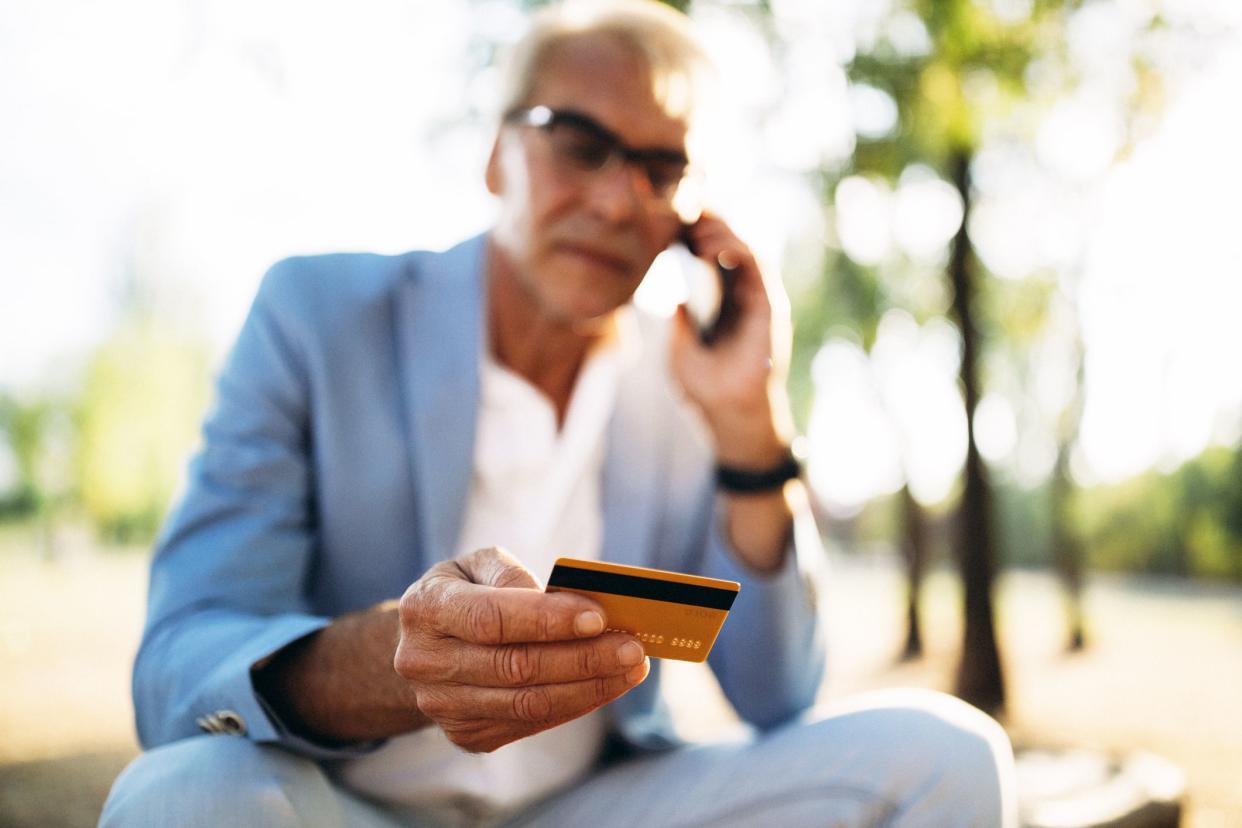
[1162,673]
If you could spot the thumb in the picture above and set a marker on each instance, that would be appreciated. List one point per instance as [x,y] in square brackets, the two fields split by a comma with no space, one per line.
[496,567]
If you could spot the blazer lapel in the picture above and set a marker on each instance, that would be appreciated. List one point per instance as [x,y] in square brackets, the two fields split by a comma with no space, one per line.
[440,310]
[440,339]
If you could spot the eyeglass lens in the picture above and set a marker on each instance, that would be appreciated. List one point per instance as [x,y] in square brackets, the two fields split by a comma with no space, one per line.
[587,148]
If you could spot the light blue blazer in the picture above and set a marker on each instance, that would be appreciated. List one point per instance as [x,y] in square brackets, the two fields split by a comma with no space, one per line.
[335,469]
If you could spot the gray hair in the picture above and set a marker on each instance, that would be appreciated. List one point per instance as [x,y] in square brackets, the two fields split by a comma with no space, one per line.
[656,33]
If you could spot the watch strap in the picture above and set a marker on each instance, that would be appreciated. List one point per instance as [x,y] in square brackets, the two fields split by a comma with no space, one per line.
[737,480]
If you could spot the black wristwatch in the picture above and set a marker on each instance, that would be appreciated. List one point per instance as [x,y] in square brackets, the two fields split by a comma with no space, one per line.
[736,480]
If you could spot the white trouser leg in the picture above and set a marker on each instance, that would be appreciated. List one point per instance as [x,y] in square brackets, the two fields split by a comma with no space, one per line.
[213,781]
[892,758]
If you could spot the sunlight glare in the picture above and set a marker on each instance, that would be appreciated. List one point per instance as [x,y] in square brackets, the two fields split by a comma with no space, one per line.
[853,453]
[864,225]
[927,213]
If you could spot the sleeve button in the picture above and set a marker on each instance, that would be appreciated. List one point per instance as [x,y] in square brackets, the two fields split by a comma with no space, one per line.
[222,721]
[231,722]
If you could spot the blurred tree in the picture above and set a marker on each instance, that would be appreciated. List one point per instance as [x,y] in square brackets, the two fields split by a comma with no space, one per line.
[24,424]
[938,125]
[979,678]
[1231,516]
[1037,331]
[1185,522]
[37,430]
[1067,545]
[39,436]
[962,71]
[855,298]
[144,392]
[1048,327]
[916,550]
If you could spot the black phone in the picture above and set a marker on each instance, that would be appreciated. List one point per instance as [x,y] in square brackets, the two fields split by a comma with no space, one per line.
[710,289]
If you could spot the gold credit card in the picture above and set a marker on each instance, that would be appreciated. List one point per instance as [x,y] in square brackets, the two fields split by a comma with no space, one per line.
[674,615]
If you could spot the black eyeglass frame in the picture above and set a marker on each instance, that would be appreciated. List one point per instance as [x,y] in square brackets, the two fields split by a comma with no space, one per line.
[546,118]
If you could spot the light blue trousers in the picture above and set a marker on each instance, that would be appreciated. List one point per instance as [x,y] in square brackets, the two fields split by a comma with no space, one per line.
[892,758]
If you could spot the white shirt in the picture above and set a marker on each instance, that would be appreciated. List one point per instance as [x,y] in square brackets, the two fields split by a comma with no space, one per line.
[534,491]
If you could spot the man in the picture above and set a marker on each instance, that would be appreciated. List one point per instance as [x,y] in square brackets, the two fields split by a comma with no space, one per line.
[385,423]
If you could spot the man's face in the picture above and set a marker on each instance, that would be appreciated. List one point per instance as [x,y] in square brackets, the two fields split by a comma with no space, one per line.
[579,244]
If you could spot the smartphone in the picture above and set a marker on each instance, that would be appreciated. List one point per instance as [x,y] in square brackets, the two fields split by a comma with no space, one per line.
[710,288]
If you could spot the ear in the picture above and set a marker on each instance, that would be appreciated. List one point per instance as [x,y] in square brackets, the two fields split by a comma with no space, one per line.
[492,175]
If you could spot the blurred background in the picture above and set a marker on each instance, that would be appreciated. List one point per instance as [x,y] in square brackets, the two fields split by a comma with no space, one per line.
[1009,229]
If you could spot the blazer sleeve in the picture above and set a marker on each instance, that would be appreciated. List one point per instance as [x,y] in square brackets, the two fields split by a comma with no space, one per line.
[769,657]
[229,570]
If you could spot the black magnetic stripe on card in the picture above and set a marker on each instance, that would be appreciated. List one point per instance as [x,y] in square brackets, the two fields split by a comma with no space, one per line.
[592,580]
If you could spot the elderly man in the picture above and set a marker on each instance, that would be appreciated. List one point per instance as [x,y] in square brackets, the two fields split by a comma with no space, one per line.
[441,427]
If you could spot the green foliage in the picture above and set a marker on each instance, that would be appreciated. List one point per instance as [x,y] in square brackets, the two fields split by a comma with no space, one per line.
[36,432]
[1024,533]
[970,76]
[1188,522]
[22,425]
[144,392]
[972,73]
[1019,309]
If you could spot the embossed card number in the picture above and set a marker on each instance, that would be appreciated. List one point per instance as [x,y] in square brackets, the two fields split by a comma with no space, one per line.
[673,614]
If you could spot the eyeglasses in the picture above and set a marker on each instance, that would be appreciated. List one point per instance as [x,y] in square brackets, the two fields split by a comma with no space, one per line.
[583,145]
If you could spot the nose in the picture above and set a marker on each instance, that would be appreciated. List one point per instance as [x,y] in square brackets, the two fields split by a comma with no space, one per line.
[618,191]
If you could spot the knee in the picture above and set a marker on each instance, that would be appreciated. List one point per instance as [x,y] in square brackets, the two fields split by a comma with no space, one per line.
[953,752]
[945,762]
[216,780]
[941,726]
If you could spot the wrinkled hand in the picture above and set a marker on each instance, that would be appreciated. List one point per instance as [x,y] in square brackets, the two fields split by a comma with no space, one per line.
[738,383]
[492,658]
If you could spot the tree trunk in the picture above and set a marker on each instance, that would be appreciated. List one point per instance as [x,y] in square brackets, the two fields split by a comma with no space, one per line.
[979,678]
[1067,551]
[914,550]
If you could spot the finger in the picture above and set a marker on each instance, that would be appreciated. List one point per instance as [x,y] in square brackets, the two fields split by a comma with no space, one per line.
[529,664]
[496,567]
[714,237]
[491,615]
[724,248]
[727,252]
[707,223]
[539,704]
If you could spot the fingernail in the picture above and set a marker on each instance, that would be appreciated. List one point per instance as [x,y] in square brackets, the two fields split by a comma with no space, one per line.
[638,673]
[589,623]
[629,653]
